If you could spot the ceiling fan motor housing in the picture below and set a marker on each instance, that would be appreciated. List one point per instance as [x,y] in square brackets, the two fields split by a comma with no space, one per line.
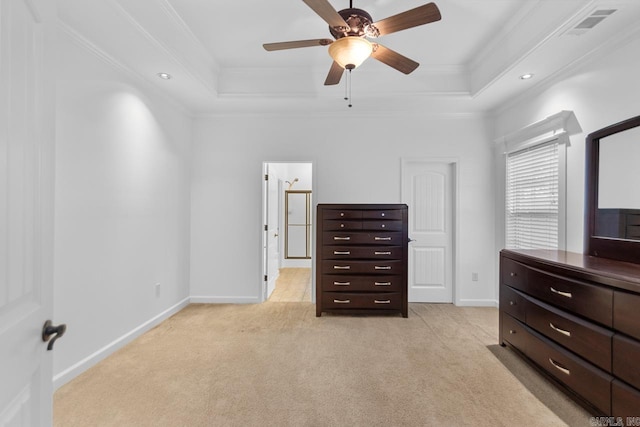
[360,24]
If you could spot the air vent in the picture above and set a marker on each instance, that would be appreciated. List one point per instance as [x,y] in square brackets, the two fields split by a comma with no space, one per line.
[590,21]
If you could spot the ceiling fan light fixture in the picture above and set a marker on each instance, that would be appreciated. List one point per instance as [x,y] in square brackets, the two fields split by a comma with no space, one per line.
[351,51]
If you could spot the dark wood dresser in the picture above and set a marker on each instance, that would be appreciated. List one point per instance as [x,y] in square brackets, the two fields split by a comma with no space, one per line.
[577,318]
[361,258]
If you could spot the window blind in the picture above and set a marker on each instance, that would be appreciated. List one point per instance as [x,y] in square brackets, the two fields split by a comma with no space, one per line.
[532,197]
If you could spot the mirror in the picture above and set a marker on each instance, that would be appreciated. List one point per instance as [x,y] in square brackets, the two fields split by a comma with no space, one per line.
[612,227]
[297,243]
[619,174]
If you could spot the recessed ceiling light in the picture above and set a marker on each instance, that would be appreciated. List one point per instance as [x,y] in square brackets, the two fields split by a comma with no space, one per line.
[526,76]
[165,76]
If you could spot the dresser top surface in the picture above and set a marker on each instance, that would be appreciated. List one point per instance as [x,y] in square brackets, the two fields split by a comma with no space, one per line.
[361,206]
[617,274]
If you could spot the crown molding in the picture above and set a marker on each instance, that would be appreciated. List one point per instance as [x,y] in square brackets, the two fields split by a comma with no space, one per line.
[171,53]
[118,66]
[598,52]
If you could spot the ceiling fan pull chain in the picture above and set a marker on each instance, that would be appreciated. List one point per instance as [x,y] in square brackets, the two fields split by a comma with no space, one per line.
[346,86]
[349,82]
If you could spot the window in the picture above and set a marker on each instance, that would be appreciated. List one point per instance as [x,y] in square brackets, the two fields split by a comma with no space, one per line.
[535,180]
[533,197]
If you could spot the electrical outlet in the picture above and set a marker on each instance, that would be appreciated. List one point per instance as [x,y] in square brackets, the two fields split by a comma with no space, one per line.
[474,277]
[157,289]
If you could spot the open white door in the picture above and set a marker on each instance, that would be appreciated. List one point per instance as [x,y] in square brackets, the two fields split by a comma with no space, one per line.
[27,44]
[428,190]
[273,231]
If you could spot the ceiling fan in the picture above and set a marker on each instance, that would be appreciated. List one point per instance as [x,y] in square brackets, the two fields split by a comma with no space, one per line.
[351,29]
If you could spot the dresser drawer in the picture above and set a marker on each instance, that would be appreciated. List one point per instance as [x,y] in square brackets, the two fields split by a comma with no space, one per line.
[514,333]
[625,402]
[362,238]
[343,283]
[360,252]
[342,214]
[512,302]
[382,267]
[626,313]
[591,383]
[382,225]
[592,302]
[513,274]
[586,339]
[339,224]
[382,214]
[626,358]
[377,301]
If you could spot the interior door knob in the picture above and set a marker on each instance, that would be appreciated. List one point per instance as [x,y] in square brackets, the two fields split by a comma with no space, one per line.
[48,330]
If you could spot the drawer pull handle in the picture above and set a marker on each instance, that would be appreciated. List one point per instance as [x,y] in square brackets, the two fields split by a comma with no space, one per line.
[386,301]
[512,332]
[382,253]
[342,301]
[341,238]
[560,368]
[341,267]
[513,274]
[512,303]
[382,283]
[342,283]
[383,238]
[561,293]
[382,267]
[342,252]
[562,331]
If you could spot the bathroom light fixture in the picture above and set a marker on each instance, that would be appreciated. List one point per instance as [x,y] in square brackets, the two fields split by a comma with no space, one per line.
[526,76]
[165,76]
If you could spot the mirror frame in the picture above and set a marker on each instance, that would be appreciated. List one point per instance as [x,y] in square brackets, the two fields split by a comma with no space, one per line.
[604,247]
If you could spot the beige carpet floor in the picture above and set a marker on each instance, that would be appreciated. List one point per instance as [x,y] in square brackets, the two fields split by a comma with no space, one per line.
[276,364]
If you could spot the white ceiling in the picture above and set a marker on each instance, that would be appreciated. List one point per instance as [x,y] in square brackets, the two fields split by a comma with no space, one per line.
[470,61]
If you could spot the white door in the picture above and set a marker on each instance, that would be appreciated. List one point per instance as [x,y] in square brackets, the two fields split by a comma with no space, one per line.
[428,190]
[273,232]
[26,209]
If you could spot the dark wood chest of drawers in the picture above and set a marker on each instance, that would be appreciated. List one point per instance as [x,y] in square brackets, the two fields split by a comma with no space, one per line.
[577,318]
[361,258]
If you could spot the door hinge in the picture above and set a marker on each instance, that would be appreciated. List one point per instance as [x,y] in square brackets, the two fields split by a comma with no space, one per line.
[266,279]
[266,227]
[266,177]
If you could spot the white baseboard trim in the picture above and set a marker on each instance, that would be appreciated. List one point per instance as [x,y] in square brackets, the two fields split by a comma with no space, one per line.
[225,300]
[70,373]
[477,303]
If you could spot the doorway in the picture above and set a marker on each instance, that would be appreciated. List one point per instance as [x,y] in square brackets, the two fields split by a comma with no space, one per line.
[429,188]
[287,244]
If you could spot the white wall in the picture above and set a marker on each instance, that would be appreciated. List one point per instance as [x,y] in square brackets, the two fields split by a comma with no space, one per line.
[601,93]
[122,207]
[356,160]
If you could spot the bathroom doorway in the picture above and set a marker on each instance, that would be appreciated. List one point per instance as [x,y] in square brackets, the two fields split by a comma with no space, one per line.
[288,214]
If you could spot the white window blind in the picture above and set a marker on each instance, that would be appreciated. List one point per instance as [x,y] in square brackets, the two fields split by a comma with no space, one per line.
[532,197]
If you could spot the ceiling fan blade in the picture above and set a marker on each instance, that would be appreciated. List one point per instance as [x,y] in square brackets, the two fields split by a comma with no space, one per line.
[394,59]
[335,74]
[296,44]
[411,18]
[324,9]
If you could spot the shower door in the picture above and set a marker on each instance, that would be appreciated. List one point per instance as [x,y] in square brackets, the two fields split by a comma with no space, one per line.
[297,243]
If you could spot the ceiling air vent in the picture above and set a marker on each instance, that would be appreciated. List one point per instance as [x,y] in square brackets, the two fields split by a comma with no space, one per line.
[590,21]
